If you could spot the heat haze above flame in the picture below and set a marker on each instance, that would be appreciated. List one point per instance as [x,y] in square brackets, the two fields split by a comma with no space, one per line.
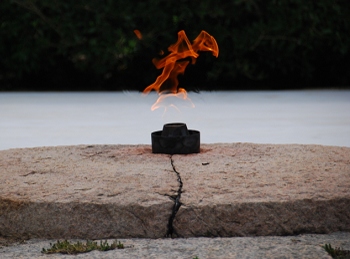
[175,63]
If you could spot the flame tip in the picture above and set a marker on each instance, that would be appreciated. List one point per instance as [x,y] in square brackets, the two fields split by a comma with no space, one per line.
[138,34]
[173,64]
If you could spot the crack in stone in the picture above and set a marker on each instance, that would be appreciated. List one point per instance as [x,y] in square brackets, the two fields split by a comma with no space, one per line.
[177,204]
[172,197]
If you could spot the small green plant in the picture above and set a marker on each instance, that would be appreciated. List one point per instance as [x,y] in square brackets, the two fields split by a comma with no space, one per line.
[65,247]
[337,252]
[196,257]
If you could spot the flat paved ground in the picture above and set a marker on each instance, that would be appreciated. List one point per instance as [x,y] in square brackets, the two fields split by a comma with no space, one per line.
[281,117]
[291,247]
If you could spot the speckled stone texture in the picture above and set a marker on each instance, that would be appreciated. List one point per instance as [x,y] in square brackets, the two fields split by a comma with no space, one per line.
[124,191]
[86,192]
[249,189]
[290,247]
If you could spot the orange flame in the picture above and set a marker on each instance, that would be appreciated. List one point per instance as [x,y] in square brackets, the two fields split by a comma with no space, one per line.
[174,65]
[138,34]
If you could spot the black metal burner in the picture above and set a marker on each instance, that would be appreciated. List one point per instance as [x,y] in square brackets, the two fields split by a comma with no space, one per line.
[175,138]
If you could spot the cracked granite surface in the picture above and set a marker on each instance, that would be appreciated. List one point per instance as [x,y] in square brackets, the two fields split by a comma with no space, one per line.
[244,189]
[123,191]
[85,191]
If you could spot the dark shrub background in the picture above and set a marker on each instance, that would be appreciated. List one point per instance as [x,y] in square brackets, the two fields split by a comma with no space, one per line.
[90,45]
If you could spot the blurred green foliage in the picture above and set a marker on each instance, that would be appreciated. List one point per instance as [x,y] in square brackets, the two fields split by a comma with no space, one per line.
[90,44]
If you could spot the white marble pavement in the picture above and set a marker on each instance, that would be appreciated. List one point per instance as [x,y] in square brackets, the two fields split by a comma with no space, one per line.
[277,117]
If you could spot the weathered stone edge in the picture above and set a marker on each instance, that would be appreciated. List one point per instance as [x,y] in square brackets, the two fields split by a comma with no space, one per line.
[264,218]
[82,220]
